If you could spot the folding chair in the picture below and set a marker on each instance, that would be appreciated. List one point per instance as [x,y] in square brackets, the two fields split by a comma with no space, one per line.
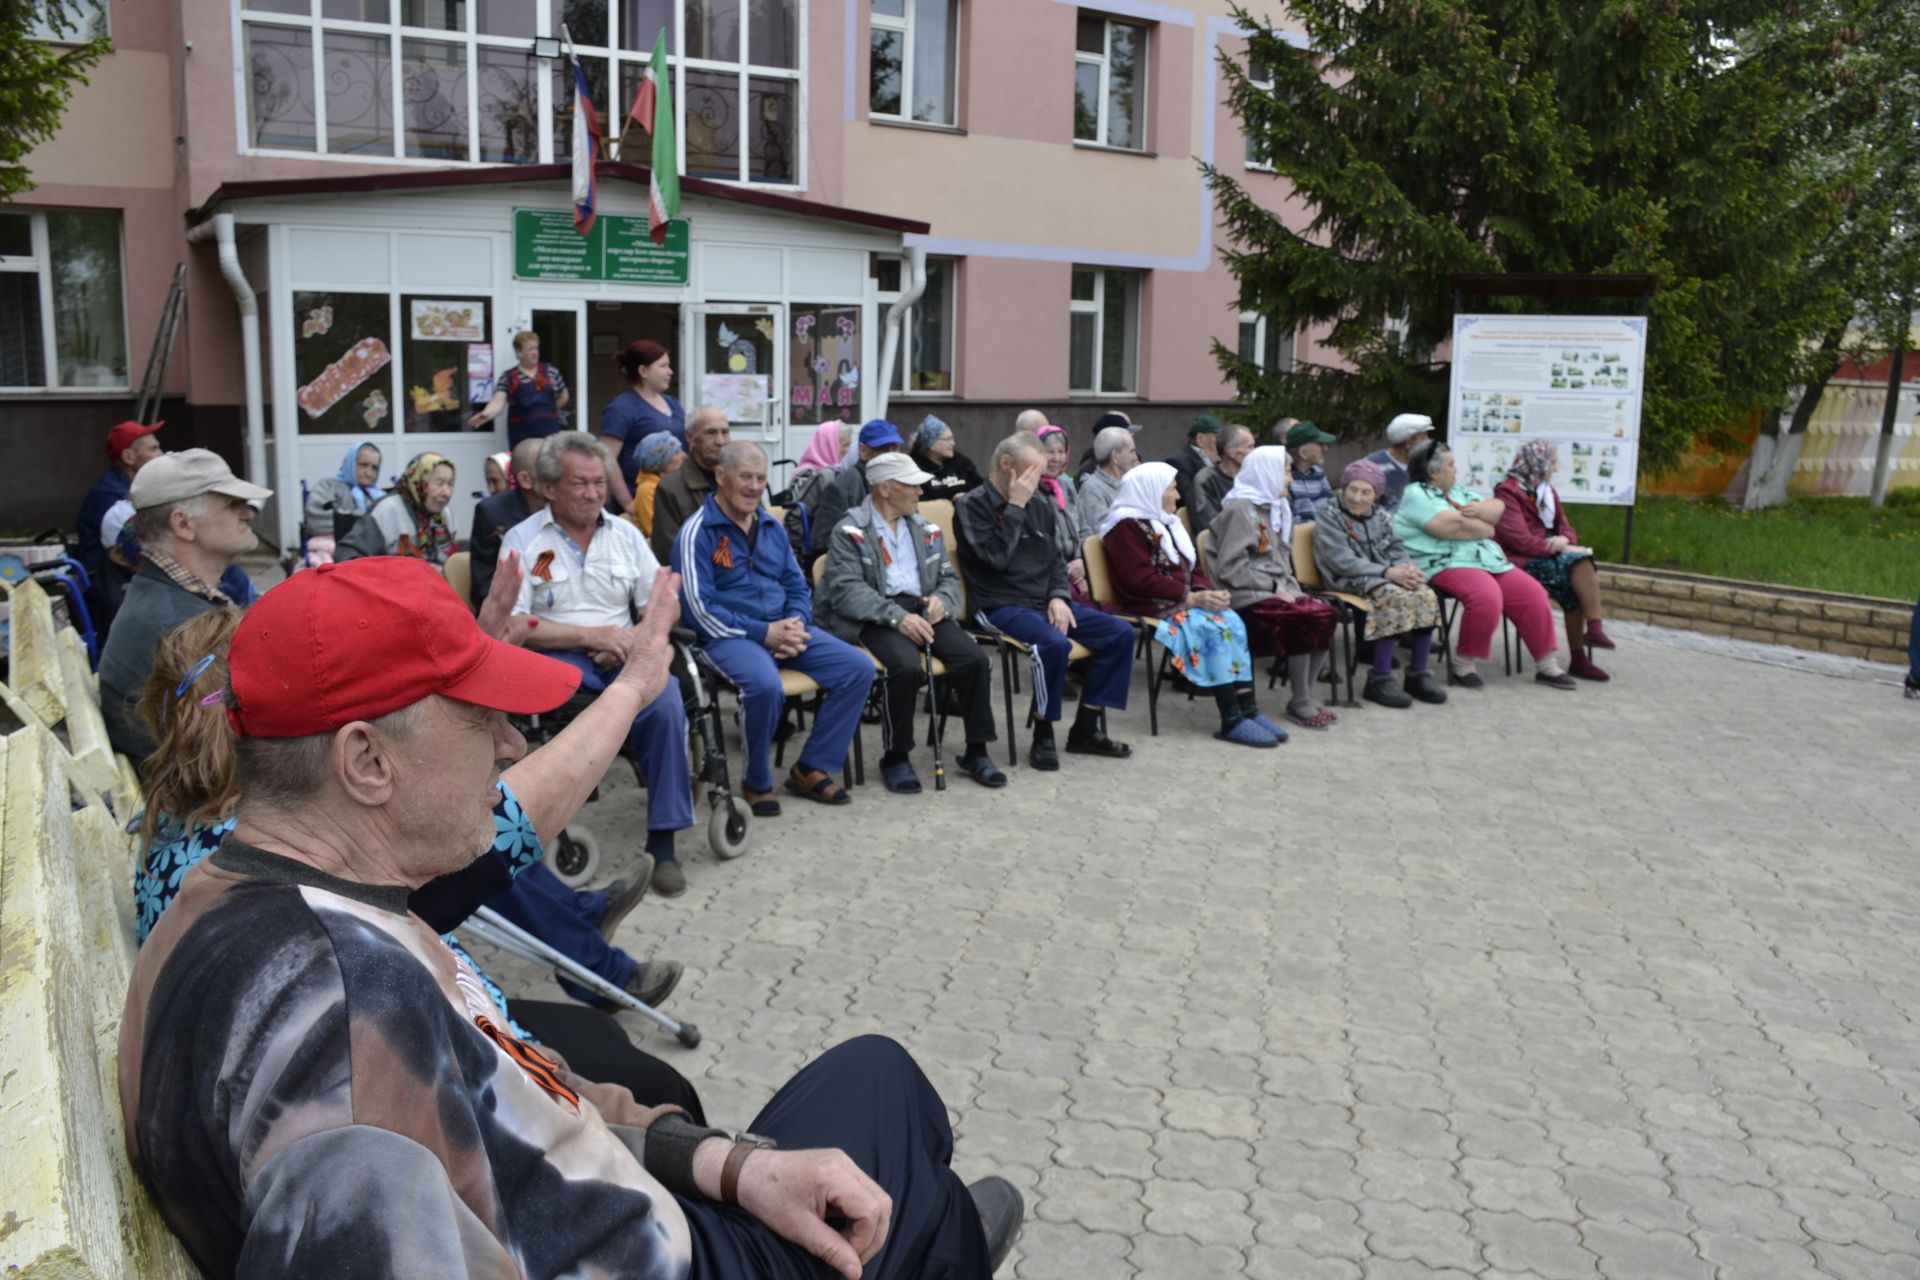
[1093,554]
[880,668]
[486,925]
[458,571]
[1351,610]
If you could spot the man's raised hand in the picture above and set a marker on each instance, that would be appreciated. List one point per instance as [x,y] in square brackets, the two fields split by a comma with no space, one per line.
[647,650]
[497,617]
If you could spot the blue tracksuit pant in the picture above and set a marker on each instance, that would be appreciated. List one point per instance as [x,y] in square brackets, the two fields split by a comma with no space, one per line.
[842,670]
[868,1098]
[1109,671]
[567,920]
[658,741]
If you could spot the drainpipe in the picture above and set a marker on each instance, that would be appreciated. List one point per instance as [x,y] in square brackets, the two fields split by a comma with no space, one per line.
[897,315]
[219,229]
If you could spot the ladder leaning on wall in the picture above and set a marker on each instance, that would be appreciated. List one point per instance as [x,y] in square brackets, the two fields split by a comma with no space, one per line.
[157,359]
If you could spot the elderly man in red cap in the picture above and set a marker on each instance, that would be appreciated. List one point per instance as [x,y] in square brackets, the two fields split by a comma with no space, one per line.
[315,1084]
[130,446]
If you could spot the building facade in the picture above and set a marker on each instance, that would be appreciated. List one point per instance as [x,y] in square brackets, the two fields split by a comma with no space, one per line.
[392,176]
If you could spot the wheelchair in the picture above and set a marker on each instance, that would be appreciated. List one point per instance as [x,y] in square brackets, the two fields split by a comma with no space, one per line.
[576,856]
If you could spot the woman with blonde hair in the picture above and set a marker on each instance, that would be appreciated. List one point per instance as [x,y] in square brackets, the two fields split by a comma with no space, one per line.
[191,795]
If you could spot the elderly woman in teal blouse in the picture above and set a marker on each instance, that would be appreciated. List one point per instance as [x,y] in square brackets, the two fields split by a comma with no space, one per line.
[1448,530]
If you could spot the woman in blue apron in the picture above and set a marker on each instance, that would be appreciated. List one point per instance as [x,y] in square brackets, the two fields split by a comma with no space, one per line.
[533,394]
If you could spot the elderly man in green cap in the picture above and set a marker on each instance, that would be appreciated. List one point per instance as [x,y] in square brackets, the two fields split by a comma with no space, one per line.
[1203,438]
[1307,484]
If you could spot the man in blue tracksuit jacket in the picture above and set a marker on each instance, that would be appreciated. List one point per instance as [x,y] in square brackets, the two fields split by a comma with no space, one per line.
[742,590]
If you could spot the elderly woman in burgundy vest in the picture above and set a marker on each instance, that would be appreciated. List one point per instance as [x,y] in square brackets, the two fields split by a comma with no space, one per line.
[1537,536]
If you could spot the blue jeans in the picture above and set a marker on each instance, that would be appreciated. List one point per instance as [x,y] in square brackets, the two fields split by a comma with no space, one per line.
[1109,671]
[658,741]
[845,673]
[566,920]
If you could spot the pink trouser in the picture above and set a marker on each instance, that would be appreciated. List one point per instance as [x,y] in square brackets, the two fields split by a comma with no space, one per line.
[1485,596]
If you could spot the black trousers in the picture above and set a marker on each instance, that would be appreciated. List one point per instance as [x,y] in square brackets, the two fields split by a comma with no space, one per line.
[597,1047]
[969,677]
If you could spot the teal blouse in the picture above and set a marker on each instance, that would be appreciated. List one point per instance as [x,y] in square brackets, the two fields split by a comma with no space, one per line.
[1419,503]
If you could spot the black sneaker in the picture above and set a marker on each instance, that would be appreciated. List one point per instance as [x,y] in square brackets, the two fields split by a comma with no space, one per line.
[624,895]
[1002,1213]
[652,982]
[1913,685]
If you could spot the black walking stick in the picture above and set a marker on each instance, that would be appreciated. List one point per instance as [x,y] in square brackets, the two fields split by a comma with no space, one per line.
[933,724]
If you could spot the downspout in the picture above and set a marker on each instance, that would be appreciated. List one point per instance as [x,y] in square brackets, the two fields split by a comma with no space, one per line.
[896,316]
[219,229]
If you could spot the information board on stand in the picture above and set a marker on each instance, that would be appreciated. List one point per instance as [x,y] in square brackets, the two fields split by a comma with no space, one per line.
[618,250]
[1573,381]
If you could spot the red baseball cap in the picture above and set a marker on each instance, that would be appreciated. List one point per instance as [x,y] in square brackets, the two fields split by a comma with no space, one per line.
[359,639]
[125,434]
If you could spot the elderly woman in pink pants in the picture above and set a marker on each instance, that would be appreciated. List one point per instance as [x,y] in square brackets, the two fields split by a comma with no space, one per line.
[1449,531]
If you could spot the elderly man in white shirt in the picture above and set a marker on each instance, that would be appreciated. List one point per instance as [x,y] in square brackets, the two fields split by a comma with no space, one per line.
[585,578]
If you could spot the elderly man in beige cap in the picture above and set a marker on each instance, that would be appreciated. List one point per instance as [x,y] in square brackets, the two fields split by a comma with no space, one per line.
[193,518]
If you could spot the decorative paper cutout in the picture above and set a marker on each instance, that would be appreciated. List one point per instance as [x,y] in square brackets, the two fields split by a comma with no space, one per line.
[364,359]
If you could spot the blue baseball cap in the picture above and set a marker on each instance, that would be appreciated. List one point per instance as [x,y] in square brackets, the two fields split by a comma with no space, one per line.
[879,433]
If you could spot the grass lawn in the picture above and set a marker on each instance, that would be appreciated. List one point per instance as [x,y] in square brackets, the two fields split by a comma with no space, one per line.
[1827,544]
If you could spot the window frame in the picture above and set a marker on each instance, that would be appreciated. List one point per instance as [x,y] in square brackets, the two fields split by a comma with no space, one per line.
[1096,306]
[625,67]
[1285,354]
[1104,61]
[904,24]
[40,264]
[1265,85]
[903,366]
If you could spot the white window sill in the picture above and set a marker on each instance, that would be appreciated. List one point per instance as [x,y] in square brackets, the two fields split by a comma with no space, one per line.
[1081,144]
[1259,168]
[897,122]
[1103,395]
[66,393]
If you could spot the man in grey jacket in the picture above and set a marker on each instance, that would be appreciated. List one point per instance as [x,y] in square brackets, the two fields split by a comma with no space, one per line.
[888,584]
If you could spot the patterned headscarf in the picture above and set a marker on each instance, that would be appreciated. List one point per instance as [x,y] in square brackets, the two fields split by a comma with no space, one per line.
[928,434]
[1533,467]
[364,495]
[432,535]
[657,450]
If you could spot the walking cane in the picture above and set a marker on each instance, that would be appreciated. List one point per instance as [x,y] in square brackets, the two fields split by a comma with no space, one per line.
[933,723]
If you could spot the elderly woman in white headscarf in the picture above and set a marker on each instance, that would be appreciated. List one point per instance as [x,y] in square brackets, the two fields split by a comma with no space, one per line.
[1251,555]
[1157,575]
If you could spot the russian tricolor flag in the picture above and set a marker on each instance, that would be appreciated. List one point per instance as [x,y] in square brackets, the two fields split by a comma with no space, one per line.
[586,147]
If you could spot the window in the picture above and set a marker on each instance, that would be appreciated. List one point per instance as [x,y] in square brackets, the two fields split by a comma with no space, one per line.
[343,362]
[1104,334]
[1110,84]
[63,319]
[1259,76]
[924,363]
[1265,343]
[823,363]
[455,81]
[915,53]
[86,20]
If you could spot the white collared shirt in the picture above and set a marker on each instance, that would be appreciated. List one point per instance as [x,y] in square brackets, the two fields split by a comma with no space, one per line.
[605,587]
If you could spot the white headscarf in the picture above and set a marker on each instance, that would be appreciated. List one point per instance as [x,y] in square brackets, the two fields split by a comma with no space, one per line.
[1263,481]
[1140,498]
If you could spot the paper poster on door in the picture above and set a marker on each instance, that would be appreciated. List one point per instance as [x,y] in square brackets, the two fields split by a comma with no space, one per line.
[741,396]
[479,372]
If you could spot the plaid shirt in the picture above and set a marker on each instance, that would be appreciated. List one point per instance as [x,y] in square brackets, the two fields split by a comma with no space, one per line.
[184,579]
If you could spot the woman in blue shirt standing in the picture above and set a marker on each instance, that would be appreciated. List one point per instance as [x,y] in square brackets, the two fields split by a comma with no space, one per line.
[533,394]
[637,413]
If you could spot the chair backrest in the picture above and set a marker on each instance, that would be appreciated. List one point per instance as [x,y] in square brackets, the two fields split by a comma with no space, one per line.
[1186,518]
[779,514]
[819,571]
[1203,551]
[459,572]
[1304,567]
[938,512]
[1093,556]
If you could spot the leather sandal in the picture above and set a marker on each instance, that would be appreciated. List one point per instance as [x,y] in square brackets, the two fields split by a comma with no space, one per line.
[816,786]
[765,804]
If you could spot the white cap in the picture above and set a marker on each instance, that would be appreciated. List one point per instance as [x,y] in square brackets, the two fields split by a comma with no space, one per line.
[1406,426]
[176,477]
[899,467]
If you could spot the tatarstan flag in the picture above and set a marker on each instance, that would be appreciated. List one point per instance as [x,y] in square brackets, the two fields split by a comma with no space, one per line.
[653,111]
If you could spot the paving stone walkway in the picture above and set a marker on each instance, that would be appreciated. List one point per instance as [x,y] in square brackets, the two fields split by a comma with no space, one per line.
[1612,983]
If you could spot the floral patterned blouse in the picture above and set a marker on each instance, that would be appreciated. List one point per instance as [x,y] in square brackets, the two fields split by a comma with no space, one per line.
[156,878]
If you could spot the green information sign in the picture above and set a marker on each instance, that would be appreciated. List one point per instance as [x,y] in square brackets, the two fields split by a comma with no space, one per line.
[546,247]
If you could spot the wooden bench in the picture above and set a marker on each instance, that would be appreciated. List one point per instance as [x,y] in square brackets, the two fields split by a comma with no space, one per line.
[70,1205]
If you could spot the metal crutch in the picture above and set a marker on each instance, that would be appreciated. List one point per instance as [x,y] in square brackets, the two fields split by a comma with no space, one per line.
[489,926]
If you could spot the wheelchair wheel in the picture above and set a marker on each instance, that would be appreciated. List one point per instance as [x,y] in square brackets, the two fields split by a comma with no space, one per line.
[728,831]
[575,858]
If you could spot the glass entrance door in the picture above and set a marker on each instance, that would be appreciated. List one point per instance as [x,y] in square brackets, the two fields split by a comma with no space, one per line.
[560,327]
[740,364]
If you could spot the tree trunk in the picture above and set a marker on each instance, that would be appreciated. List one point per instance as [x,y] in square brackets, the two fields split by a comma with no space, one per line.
[1777,451]
[1889,417]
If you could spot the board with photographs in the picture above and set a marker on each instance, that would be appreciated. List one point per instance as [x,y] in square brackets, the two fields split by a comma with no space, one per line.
[1574,381]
